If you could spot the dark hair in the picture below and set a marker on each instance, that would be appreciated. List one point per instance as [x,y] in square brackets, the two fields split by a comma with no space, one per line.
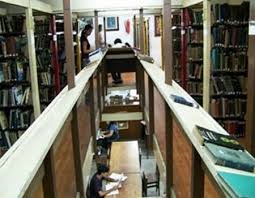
[87,27]
[100,27]
[127,44]
[117,40]
[102,169]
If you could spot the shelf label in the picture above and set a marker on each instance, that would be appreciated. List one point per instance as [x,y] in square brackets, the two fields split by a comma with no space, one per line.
[252,28]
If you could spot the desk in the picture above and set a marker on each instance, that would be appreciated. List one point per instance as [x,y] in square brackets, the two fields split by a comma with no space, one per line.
[132,187]
[124,157]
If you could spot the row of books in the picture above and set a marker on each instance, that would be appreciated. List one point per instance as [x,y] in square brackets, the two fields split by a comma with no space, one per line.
[45,78]
[195,52]
[195,35]
[8,138]
[194,17]
[42,26]
[235,128]
[224,149]
[195,71]
[230,36]
[11,46]
[15,96]
[42,42]
[14,70]
[10,24]
[223,59]
[230,14]
[228,108]
[176,19]
[46,95]
[195,88]
[229,85]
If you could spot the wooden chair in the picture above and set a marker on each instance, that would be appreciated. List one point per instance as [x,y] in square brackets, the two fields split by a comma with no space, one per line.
[151,181]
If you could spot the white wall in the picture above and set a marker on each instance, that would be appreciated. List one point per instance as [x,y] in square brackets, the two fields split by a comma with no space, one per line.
[155,42]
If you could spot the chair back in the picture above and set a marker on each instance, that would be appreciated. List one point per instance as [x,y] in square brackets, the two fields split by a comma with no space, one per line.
[144,185]
[157,173]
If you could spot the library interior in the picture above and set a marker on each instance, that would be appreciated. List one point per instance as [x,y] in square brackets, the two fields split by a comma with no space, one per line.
[127,99]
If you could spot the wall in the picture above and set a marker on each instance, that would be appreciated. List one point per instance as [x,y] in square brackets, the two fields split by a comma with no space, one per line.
[155,41]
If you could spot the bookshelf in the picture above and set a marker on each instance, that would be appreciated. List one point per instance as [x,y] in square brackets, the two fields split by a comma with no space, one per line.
[16,110]
[229,65]
[192,49]
[176,37]
[45,69]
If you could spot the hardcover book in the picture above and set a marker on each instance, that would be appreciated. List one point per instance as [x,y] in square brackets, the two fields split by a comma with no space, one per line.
[207,135]
[240,185]
[231,158]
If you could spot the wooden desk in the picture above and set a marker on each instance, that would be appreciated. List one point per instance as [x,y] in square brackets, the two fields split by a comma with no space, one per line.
[132,187]
[124,157]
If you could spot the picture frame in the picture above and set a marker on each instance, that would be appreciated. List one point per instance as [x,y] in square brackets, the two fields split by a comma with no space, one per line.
[157,21]
[122,125]
[112,24]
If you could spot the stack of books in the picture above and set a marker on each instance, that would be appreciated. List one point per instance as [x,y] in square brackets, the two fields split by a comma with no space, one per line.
[225,150]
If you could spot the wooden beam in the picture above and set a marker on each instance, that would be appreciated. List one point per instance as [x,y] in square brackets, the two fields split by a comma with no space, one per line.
[105,44]
[250,124]
[134,30]
[207,54]
[96,29]
[41,6]
[197,176]
[99,96]
[141,24]
[167,41]
[76,153]
[54,55]
[32,61]
[68,28]
[92,112]
[151,113]
[169,149]
[22,3]
[188,3]
[49,180]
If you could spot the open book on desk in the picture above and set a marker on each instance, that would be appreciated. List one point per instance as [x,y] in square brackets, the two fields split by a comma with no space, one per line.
[118,177]
[111,185]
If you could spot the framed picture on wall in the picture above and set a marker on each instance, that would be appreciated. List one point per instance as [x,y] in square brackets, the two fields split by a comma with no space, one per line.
[157,26]
[122,125]
[112,23]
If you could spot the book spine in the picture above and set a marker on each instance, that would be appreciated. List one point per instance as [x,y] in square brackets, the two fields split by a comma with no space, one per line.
[235,165]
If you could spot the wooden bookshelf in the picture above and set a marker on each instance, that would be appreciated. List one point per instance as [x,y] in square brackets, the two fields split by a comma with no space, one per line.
[229,66]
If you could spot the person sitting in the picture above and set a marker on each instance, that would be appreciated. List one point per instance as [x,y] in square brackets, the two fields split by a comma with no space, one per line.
[96,182]
[111,135]
[116,76]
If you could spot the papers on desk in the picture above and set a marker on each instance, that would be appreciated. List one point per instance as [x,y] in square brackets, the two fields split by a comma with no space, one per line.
[117,176]
[110,186]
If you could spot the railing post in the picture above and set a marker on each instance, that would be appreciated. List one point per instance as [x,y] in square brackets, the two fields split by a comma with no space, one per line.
[197,176]
[99,95]
[92,111]
[105,44]
[250,124]
[169,149]
[68,28]
[151,113]
[49,179]
[167,41]
[76,153]
[141,24]
[96,29]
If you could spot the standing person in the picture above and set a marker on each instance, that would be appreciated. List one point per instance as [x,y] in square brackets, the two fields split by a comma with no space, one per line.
[85,46]
[100,36]
[116,76]
[96,183]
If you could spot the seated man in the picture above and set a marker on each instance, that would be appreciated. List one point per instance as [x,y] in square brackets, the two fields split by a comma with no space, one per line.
[111,135]
[96,183]
[116,76]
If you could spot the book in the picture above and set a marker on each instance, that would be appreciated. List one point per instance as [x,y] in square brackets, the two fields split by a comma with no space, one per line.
[237,159]
[242,186]
[182,100]
[207,135]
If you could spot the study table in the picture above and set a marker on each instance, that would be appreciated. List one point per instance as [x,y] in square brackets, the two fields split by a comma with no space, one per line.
[124,158]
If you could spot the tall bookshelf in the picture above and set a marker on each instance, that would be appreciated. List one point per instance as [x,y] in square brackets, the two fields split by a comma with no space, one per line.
[229,64]
[16,110]
[192,51]
[176,35]
[45,69]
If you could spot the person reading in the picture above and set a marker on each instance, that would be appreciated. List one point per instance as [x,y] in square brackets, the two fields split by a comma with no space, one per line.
[96,182]
[111,135]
